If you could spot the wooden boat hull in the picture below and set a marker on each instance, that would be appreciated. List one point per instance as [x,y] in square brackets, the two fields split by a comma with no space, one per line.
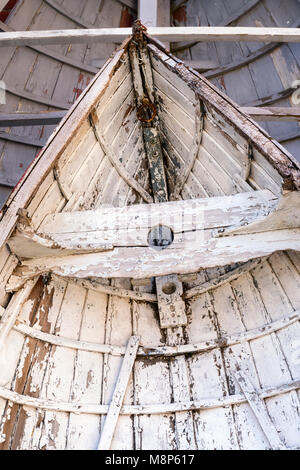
[227,375]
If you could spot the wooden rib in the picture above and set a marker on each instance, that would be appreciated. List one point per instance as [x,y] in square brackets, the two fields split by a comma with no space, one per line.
[77,408]
[68,14]
[227,277]
[12,311]
[121,170]
[37,99]
[199,125]
[259,409]
[291,136]
[236,15]
[241,62]
[247,60]
[118,395]
[55,55]
[271,99]
[158,351]
[112,290]
[13,285]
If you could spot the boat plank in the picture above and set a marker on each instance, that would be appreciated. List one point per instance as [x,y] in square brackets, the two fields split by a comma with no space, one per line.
[229,145]
[107,112]
[248,429]
[181,131]
[152,382]
[165,103]
[260,411]
[118,312]
[214,428]
[61,368]
[162,85]
[226,183]
[206,179]
[35,363]
[217,151]
[258,298]
[147,263]
[77,159]
[83,431]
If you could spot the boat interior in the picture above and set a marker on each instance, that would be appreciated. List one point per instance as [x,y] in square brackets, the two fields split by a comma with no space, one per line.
[148,139]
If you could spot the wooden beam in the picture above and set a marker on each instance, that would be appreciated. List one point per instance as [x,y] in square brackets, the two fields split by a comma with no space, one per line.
[118,395]
[161,350]
[189,253]
[259,409]
[286,216]
[130,226]
[40,119]
[181,258]
[164,34]
[273,113]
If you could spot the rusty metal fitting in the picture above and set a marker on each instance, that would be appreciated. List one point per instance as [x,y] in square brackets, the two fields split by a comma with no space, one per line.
[142,110]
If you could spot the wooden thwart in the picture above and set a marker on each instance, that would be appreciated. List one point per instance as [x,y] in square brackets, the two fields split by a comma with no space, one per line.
[181,258]
[129,226]
[118,395]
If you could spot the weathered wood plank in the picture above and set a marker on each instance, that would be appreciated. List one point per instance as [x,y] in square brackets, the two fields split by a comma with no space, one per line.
[147,215]
[83,430]
[11,313]
[145,262]
[118,395]
[118,312]
[92,231]
[60,369]
[164,34]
